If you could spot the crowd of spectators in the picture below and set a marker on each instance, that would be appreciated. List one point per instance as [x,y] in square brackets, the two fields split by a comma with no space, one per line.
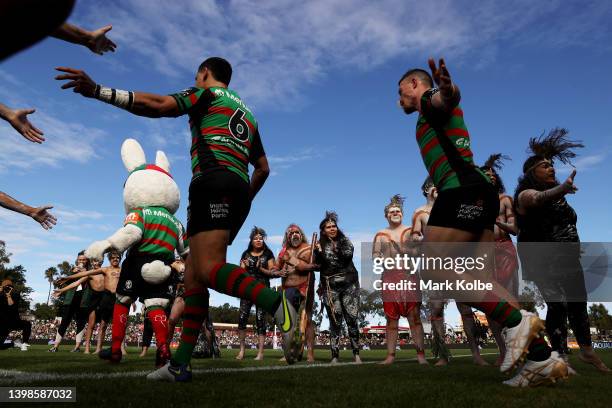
[44,330]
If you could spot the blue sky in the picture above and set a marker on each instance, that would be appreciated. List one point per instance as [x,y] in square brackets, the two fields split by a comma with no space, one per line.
[321,76]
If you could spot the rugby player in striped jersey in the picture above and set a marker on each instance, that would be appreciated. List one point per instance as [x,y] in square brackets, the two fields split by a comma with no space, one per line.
[466,210]
[225,139]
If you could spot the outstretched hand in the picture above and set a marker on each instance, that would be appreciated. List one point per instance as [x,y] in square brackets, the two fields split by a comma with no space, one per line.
[19,120]
[441,76]
[43,217]
[98,43]
[569,185]
[79,81]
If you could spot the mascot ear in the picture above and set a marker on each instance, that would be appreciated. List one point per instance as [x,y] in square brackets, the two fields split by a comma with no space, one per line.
[162,161]
[132,154]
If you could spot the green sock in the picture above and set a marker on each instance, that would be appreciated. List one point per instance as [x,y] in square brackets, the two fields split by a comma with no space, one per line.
[196,309]
[235,281]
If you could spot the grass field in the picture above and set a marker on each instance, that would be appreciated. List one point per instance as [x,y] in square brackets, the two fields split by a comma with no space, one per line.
[270,383]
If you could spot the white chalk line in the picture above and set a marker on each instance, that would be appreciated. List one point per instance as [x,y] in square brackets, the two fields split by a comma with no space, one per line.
[15,376]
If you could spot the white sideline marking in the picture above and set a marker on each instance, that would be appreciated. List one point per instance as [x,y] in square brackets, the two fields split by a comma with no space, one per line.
[14,376]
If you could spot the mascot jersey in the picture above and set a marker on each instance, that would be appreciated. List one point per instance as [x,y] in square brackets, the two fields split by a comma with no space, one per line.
[162,232]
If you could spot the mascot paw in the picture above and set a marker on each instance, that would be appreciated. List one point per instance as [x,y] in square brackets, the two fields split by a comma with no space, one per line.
[155,272]
[97,249]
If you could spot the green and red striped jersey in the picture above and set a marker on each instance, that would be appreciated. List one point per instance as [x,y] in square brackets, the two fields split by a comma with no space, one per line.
[162,232]
[224,132]
[444,142]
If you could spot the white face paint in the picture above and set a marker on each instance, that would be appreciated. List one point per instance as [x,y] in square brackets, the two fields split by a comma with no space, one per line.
[394,215]
[295,237]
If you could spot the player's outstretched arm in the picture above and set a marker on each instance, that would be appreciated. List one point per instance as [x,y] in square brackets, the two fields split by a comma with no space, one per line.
[18,119]
[139,103]
[39,214]
[449,95]
[95,40]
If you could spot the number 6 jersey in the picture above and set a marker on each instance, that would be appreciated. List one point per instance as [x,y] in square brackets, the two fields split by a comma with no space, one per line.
[224,133]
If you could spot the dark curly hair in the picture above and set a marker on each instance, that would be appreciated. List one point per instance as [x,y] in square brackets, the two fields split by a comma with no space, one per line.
[254,232]
[553,146]
[333,217]
[495,164]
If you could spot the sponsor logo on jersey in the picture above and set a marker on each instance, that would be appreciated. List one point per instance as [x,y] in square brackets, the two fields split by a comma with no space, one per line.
[132,218]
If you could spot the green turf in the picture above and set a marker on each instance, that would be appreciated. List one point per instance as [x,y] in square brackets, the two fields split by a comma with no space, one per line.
[404,384]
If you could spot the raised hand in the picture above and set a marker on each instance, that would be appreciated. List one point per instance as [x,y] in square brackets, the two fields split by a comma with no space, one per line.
[441,76]
[569,185]
[79,81]
[19,120]
[98,42]
[43,217]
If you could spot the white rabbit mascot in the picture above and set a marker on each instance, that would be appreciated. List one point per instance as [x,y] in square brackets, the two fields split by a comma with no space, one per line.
[151,234]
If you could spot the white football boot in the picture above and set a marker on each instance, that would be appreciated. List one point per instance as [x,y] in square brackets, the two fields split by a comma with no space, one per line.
[535,373]
[518,339]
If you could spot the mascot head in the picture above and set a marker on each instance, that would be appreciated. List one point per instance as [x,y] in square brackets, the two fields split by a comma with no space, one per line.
[148,185]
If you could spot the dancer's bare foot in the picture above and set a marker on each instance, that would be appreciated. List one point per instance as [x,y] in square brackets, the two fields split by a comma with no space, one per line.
[240,355]
[479,361]
[358,359]
[259,357]
[310,358]
[421,359]
[441,362]
[589,357]
[387,361]
[87,351]
[143,353]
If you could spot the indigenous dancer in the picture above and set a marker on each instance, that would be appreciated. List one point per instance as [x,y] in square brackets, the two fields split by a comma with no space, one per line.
[258,261]
[72,307]
[295,265]
[466,209]
[388,243]
[436,306]
[340,283]
[110,275]
[544,215]
[225,140]
[506,259]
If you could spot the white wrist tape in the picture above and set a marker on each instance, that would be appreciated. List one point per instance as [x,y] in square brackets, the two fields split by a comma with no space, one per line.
[118,97]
